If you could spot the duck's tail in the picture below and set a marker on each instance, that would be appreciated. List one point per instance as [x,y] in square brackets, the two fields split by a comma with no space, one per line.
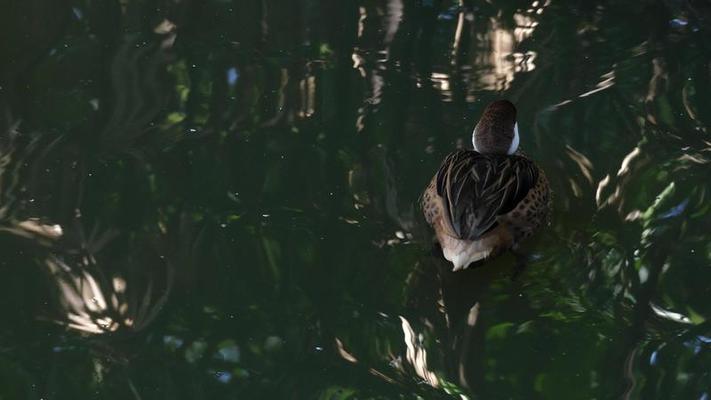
[462,253]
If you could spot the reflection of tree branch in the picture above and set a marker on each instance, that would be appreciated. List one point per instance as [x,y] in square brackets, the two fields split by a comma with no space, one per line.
[458,35]
[97,301]
[656,257]
[466,343]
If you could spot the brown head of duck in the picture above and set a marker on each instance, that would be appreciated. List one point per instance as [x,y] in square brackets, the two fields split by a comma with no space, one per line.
[497,130]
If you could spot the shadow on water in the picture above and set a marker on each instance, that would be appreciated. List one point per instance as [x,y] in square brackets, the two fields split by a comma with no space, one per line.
[217,199]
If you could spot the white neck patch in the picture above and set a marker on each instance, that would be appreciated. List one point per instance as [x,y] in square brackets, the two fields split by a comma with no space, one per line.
[474,140]
[514,142]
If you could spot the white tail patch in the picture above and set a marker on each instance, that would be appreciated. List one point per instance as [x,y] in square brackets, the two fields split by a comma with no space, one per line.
[461,253]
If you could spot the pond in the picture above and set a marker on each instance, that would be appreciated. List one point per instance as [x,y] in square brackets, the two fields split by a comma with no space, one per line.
[219,199]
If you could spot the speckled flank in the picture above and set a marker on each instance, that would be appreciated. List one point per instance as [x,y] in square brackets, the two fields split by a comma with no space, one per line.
[531,212]
[431,203]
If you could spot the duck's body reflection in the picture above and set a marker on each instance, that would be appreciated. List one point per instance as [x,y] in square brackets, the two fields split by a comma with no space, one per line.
[452,307]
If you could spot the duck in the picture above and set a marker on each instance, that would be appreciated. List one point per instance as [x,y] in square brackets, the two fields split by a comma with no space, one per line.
[487,200]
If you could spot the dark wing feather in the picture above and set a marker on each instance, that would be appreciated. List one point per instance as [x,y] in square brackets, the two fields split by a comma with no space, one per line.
[476,188]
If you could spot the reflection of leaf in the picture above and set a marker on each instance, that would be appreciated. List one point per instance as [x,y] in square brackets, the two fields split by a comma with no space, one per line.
[605,238]
[195,351]
[662,201]
[499,331]
[273,251]
[695,317]
[15,381]
[337,393]
[556,315]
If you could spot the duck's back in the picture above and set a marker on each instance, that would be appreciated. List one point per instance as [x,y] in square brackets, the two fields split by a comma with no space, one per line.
[470,190]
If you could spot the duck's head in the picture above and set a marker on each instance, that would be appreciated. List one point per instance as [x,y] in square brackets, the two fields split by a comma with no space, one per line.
[497,130]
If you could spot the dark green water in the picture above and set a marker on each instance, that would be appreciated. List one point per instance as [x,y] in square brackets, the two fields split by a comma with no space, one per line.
[217,199]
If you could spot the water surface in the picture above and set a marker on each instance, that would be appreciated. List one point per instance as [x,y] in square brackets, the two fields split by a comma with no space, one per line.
[218,199]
